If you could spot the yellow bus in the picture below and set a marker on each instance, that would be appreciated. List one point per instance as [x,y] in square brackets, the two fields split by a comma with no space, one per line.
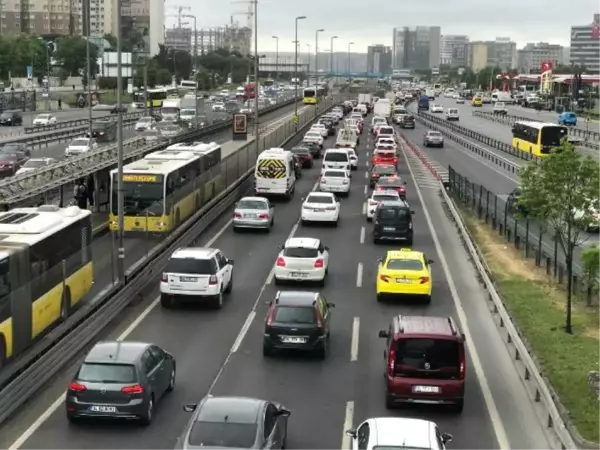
[538,138]
[157,96]
[164,189]
[310,96]
[46,268]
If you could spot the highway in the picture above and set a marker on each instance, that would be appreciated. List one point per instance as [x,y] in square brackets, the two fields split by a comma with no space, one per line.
[547,116]
[220,352]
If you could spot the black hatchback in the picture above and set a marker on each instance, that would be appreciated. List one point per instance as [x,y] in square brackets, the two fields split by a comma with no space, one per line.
[298,320]
[11,118]
[392,220]
[329,124]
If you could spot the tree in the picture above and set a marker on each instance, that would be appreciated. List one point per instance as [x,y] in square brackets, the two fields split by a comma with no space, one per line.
[590,260]
[112,40]
[71,55]
[563,192]
[17,52]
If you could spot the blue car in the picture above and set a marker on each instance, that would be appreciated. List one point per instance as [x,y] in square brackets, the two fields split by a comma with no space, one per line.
[567,118]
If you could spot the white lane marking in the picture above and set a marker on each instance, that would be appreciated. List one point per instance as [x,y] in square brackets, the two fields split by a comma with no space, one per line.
[355,336]
[364,210]
[366,189]
[271,275]
[243,331]
[359,275]
[367,154]
[366,175]
[497,424]
[348,419]
[60,400]
[362,235]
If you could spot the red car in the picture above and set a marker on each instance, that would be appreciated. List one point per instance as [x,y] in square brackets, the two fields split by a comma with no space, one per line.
[392,183]
[381,170]
[425,361]
[384,156]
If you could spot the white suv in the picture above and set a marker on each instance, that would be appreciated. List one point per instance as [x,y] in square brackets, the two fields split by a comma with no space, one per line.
[196,274]
[302,259]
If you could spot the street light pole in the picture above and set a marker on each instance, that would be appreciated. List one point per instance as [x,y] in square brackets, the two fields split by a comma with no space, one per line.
[317,57]
[86,10]
[120,190]
[296,65]
[308,54]
[333,38]
[350,44]
[276,57]
[256,90]
[191,16]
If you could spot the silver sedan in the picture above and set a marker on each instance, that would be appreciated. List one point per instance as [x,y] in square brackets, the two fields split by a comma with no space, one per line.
[253,212]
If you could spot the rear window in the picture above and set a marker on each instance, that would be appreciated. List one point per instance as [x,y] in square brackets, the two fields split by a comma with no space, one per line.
[107,373]
[404,264]
[387,212]
[252,204]
[295,314]
[382,198]
[384,155]
[336,156]
[300,252]
[434,358]
[386,130]
[191,266]
[320,199]
[222,434]
[334,173]
[384,170]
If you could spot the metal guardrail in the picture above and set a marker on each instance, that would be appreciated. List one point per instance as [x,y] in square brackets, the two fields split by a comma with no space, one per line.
[507,119]
[83,123]
[30,184]
[60,345]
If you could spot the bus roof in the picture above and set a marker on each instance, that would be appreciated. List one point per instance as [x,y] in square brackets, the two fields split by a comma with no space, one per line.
[162,162]
[538,125]
[31,225]
[195,147]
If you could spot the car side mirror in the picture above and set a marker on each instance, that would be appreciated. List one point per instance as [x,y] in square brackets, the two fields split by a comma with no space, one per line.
[230,262]
[430,261]
[446,437]
[284,413]
[351,432]
[380,260]
[412,211]
[383,334]
[331,305]
[190,407]
[326,247]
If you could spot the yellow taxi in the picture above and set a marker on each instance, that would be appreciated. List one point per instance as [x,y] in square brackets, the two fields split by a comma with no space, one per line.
[404,272]
[477,101]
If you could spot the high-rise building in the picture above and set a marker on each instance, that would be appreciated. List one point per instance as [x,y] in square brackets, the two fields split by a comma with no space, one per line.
[179,39]
[379,59]
[477,55]
[143,25]
[43,17]
[500,53]
[531,56]
[585,45]
[417,49]
[453,50]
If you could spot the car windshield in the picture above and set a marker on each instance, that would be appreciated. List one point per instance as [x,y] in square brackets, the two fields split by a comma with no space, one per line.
[6,115]
[404,264]
[435,358]
[295,314]
[8,156]
[145,120]
[188,112]
[334,173]
[384,197]
[434,134]
[43,116]
[80,142]
[336,157]
[383,155]
[390,447]
[34,163]
[301,151]
[252,204]
[222,434]
[320,199]
[191,266]
[107,373]
[500,104]
[312,135]
[10,148]
[300,252]
[386,130]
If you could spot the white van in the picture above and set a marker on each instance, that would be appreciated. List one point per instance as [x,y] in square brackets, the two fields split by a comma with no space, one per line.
[337,158]
[274,173]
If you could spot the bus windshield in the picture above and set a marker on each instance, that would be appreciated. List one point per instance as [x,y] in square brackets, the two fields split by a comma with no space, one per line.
[552,136]
[309,92]
[157,95]
[140,198]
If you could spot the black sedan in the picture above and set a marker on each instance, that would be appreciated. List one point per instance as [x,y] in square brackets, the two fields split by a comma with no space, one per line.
[235,422]
[329,124]
[304,155]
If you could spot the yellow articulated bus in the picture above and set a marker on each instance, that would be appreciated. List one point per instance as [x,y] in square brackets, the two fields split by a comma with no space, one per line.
[310,96]
[538,138]
[46,268]
[165,188]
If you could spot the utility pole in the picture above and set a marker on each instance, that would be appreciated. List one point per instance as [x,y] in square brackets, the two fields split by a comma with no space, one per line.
[350,44]
[296,66]
[120,189]
[145,86]
[308,55]
[256,61]
[191,16]
[87,23]
[333,38]
[276,57]
[317,58]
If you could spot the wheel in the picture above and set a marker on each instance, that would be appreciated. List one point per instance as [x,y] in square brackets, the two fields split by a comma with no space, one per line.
[171,385]
[2,352]
[218,301]
[428,299]
[379,297]
[409,242]
[322,281]
[389,402]
[267,351]
[369,219]
[65,304]
[442,146]
[277,281]
[335,224]
[72,419]
[229,285]
[375,240]
[321,353]
[147,417]
[458,406]
[166,301]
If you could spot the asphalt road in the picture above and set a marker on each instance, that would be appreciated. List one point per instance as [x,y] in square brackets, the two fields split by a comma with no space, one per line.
[219,352]
[547,116]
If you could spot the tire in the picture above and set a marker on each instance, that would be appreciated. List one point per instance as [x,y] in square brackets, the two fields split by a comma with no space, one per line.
[321,353]
[335,224]
[65,304]
[277,281]
[267,351]
[229,287]
[458,406]
[369,219]
[72,419]
[323,281]
[2,352]
[172,378]
[409,242]
[375,241]
[379,298]
[428,299]
[236,230]
[389,402]
[218,301]
[167,301]
[147,417]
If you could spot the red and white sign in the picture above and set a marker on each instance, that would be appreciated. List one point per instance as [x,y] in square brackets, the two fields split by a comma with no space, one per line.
[546,65]
[596,31]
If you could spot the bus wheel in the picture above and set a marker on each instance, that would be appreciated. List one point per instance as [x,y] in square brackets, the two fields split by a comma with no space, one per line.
[177,219]
[65,304]
[2,352]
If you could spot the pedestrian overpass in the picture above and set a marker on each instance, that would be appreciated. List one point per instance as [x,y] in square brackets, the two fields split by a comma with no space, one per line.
[346,74]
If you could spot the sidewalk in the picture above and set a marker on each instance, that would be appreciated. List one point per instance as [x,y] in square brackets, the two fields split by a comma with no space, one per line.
[99,222]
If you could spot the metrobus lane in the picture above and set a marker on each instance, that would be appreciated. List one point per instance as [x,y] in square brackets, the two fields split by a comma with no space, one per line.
[199,338]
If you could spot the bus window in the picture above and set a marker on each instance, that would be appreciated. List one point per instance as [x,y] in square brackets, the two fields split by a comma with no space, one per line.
[552,136]
[140,197]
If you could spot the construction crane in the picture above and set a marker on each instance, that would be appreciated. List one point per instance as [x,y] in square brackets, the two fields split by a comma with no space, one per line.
[180,14]
[249,13]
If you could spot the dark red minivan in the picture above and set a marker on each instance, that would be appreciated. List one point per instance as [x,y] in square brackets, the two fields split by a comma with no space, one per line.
[425,362]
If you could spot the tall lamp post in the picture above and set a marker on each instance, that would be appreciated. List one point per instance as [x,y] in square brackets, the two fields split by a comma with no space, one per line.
[88,66]
[191,16]
[296,64]
[333,38]
[120,190]
[350,44]
[256,62]
[276,57]
[308,55]
[317,56]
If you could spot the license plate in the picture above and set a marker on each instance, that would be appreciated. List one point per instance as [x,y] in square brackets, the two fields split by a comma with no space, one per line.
[298,275]
[188,279]
[250,216]
[403,281]
[318,210]
[388,228]
[426,389]
[293,340]
[103,409]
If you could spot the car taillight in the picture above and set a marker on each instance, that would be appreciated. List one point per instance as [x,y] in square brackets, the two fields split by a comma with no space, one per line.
[423,280]
[270,317]
[319,263]
[237,215]
[323,180]
[135,389]
[164,277]
[401,189]
[391,361]
[375,175]
[263,216]
[384,278]
[330,208]
[345,182]
[77,387]
[213,280]
[462,371]
[280,261]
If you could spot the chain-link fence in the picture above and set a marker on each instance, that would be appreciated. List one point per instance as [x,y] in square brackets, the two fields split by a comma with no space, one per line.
[24,101]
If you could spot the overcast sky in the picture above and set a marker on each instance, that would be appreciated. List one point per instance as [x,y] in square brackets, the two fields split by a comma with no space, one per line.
[366,23]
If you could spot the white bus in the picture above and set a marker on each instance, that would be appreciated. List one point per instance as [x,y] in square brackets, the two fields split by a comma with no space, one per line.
[188,85]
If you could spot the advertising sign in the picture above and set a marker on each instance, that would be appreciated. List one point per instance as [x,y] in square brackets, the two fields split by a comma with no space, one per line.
[240,127]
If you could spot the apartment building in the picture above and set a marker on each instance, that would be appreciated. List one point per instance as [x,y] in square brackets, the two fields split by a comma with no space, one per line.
[585,45]
[379,59]
[531,57]
[500,53]
[179,39]
[417,49]
[143,24]
[43,17]
[453,51]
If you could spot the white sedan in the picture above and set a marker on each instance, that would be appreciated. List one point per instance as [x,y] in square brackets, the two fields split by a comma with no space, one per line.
[382,141]
[437,109]
[42,120]
[145,123]
[353,159]
[335,180]
[35,163]
[320,207]
[302,259]
[314,137]
[378,197]
[320,128]
[79,146]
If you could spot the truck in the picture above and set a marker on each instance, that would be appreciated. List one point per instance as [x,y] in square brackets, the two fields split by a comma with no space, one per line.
[346,138]
[383,108]
[366,99]
[504,97]
[171,109]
